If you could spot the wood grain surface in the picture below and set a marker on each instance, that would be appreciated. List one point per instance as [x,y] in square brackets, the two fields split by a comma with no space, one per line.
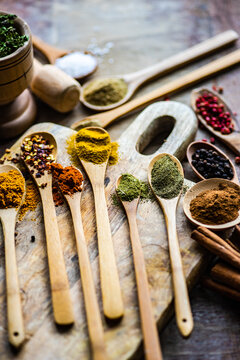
[144,33]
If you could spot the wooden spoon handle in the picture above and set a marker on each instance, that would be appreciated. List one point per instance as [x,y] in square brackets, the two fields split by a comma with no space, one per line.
[181,298]
[149,328]
[14,309]
[183,57]
[111,291]
[193,77]
[61,299]
[50,52]
[95,327]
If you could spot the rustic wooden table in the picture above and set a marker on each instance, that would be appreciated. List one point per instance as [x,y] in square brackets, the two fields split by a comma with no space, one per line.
[131,35]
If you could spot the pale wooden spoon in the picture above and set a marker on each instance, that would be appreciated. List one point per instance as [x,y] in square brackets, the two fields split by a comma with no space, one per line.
[110,285]
[8,217]
[61,299]
[105,118]
[149,328]
[136,79]
[204,185]
[232,140]
[204,145]
[95,327]
[181,298]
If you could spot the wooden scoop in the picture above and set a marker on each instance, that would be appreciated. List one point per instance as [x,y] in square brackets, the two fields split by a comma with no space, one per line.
[95,327]
[61,300]
[111,291]
[149,328]
[8,217]
[173,86]
[204,145]
[182,304]
[203,186]
[232,140]
[136,79]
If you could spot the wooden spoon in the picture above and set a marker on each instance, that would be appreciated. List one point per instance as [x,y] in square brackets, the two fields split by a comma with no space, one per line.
[61,299]
[8,217]
[149,328]
[111,291]
[232,140]
[52,53]
[204,145]
[182,304]
[184,81]
[136,79]
[95,327]
[203,186]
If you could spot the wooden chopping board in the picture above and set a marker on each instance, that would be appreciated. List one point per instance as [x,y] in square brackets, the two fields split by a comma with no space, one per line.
[45,340]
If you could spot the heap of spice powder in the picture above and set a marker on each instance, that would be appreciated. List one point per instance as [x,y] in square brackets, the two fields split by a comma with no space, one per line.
[11,189]
[93,145]
[166,179]
[10,39]
[216,206]
[103,92]
[69,179]
[31,199]
[37,152]
[129,188]
[213,112]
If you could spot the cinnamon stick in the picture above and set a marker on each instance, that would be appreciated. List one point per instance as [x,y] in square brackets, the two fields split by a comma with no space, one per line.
[222,289]
[226,274]
[216,245]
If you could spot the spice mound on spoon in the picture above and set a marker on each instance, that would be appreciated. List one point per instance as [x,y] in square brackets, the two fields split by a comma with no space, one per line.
[12,194]
[39,151]
[165,175]
[213,203]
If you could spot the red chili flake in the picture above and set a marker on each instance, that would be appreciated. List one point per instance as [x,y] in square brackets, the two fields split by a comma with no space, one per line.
[237,159]
[212,140]
[205,140]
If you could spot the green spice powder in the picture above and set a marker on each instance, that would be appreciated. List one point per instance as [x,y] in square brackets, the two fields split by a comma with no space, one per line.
[129,187]
[166,179]
[103,92]
[10,39]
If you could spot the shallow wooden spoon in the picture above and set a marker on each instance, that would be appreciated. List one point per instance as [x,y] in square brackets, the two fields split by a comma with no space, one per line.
[181,298]
[8,217]
[111,291]
[136,79]
[61,299]
[149,328]
[232,140]
[95,327]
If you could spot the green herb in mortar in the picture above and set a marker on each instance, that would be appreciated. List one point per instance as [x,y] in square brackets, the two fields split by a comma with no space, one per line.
[10,39]
[129,188]
[166,179]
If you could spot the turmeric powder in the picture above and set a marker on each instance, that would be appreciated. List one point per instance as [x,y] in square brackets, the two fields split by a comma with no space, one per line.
[31,201]
[11,189]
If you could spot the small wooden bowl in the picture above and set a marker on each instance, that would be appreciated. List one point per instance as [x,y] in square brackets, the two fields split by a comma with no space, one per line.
[204,185]
[204,145]
[16,69]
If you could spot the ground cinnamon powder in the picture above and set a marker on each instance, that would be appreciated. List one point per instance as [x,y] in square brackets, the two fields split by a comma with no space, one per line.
[216,206]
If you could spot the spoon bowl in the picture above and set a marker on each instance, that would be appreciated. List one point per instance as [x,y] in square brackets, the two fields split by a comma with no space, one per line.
[204,185]
[181,298]
[196,145]
[16,333]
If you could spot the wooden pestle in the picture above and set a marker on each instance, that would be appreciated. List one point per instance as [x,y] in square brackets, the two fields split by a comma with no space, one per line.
[54,87]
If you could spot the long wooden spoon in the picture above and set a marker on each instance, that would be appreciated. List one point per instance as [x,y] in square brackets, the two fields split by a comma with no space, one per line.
[149,328]
[95,327]
[232,140]
[136,79]
[111,291]
[181,299]
[8,217]
[61,299]
[105,118]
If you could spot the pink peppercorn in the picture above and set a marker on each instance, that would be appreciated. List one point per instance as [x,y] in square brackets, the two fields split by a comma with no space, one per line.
[237,159]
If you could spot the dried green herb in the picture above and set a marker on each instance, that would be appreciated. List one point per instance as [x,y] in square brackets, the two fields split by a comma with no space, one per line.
[129,188]
[10,39]
[166,179]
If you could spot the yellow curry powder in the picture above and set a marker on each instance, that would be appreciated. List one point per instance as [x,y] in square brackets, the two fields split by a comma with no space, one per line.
[11,189]
[31,201]
[92,146]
